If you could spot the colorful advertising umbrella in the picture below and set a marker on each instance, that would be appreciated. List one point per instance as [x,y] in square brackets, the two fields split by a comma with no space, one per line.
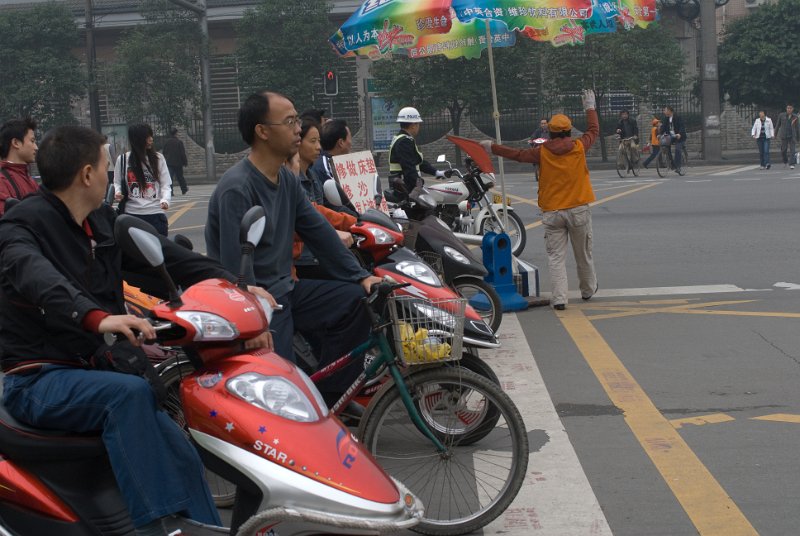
[464,28]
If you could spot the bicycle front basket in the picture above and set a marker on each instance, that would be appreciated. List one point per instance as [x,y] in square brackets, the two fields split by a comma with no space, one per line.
[426,331]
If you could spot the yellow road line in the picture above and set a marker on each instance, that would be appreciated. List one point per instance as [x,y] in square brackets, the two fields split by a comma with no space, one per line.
[181,211]
[700,420]
[606,200]
[708,506]
[676,309]
[780,417]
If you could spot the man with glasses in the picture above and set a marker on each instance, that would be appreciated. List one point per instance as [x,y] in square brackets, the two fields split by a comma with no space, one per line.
[330,309]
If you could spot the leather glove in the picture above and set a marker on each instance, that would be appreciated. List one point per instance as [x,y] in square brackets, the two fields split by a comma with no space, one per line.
[588,99]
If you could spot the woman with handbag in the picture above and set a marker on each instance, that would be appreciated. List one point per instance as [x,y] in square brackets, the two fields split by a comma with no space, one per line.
[142,183]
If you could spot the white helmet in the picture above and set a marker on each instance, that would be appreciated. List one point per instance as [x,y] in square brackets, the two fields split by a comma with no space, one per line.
[409,115]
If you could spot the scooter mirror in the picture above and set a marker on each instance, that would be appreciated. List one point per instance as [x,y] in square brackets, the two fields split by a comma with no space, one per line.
[253,224]
[139,240]
[332,193]
[440,158]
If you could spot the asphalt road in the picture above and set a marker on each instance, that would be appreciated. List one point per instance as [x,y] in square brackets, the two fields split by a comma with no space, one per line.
[677,384]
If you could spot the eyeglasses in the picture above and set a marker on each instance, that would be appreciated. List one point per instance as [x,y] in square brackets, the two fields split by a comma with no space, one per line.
[288,122]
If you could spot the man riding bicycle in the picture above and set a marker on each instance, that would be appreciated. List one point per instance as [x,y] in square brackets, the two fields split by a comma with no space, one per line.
[673,126]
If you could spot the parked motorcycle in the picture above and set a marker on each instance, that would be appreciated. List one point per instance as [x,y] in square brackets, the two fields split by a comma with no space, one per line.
[255,418]
[468,206]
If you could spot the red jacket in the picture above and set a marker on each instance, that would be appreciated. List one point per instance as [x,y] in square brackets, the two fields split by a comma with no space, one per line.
[18,184]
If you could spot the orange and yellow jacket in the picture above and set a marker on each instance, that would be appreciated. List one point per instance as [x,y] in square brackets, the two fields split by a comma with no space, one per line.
[563,174]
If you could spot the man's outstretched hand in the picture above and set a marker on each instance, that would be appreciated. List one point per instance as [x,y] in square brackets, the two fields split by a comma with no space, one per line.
[589,102]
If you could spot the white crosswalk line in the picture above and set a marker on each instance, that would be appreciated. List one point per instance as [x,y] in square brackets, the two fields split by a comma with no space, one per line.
[556,498]
[737,169]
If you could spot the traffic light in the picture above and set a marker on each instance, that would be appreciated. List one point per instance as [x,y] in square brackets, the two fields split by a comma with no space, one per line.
[331,83]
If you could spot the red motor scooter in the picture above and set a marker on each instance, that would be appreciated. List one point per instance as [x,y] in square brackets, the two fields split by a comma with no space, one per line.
[255,418]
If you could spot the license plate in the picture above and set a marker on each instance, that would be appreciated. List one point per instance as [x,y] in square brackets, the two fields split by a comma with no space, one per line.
[497,198]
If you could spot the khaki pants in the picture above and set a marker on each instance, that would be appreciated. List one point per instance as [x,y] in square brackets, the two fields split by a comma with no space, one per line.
[574,224]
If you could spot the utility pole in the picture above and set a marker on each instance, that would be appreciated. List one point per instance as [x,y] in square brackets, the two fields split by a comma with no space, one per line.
[709,73]
[198,7]
[91,67]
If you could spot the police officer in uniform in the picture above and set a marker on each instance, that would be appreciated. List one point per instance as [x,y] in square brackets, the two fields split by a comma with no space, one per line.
[405,158]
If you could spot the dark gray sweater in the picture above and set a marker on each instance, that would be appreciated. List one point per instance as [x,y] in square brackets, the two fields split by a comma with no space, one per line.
[288,211]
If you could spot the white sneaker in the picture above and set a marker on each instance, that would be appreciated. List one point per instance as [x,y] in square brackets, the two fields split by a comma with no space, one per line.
[791,167]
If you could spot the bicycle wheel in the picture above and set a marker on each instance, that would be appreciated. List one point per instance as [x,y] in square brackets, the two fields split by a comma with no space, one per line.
[222,491]
[482,297]
[622,164]
[662,162]
[467,486]
[636,161]
[684,161]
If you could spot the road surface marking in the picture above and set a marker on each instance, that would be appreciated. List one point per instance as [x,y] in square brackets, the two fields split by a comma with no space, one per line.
[190,227]
[736,169]
[787,286]
[701,180]
[555,484]
[748,179]
[714,418]
[707,504]
[779,417]
[181,211]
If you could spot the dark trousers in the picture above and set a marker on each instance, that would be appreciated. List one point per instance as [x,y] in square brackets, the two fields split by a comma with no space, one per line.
[158,471]
[655,149]
[787,150]
[329,312]
[176,172]
[159,221]
[763,151]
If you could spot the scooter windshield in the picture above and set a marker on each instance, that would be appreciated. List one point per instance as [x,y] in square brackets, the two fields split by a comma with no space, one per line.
[475,151]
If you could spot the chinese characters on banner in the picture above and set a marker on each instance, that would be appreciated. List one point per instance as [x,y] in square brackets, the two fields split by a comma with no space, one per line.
[356,173]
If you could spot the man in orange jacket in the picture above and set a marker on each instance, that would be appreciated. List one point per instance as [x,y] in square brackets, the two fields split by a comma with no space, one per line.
[565,192]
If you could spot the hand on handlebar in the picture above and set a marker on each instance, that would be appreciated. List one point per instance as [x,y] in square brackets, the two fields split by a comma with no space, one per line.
[368,282]
[346,238]
[262,341]
[126,324]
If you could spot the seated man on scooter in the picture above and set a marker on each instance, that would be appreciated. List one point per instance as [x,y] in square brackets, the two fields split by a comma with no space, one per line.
[60,291]
[331,309]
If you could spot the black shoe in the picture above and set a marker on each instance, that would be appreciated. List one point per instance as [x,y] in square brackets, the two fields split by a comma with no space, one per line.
[589,297]
[769,166]
[184,190]
[559,306]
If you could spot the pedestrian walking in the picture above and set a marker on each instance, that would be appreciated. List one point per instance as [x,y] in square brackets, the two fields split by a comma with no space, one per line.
[142,182]
[565,192]
[175,154]
[763,132]
[788,133]
[655,146]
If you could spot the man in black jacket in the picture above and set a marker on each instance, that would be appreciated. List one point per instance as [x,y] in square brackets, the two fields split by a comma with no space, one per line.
[60,290]
[673,125]
[405,158]
[175,155]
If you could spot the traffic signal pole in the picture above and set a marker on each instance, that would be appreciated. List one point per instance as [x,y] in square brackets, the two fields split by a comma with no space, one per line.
[709,73]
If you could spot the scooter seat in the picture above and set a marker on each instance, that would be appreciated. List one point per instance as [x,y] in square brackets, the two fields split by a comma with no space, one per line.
[21,442]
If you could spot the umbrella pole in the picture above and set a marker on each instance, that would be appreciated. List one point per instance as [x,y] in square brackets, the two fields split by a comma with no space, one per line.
[496,115]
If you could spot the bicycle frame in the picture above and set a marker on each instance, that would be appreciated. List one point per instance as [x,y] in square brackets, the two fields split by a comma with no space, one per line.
[387,358]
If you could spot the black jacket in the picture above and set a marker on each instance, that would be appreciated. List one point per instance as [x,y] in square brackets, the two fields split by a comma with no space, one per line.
[174,152]
[52,274]
[677,124]
[627,128]
[404,152]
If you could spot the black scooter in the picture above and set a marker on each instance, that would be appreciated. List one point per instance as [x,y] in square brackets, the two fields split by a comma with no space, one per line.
[434,241]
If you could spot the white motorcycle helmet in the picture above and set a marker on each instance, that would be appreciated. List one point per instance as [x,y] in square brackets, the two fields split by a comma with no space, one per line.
[409,115]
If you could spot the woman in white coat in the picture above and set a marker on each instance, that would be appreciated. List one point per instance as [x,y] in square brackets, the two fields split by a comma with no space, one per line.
[763,132]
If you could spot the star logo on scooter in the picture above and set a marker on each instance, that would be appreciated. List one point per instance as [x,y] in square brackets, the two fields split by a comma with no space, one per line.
[229,427]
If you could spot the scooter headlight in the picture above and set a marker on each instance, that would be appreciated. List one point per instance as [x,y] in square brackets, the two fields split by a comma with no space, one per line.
[419,271]
[208,326]
[456,255]
[434,313]
[381,236]
[274,394]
